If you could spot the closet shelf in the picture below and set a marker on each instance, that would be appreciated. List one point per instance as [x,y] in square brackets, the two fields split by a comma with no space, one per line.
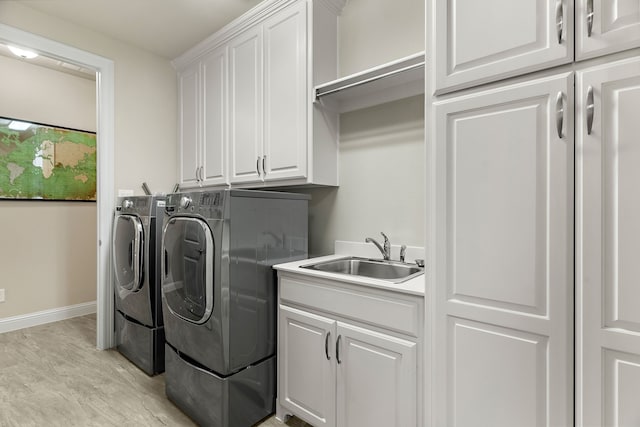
[387,82]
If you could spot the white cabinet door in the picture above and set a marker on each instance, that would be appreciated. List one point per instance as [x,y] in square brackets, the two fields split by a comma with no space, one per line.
[608,245]
[245,106]
[480,41]
[606,26]
[189,124]
[214,125]
[503,296]
[285,94]
[306,366]
[377,381]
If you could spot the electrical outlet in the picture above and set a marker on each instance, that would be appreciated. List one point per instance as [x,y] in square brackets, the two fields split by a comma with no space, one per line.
[1,295]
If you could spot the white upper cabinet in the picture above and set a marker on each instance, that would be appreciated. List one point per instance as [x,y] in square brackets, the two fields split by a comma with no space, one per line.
[476,42]
[202,121]
[214,114]
[503,304]
[608,245]
[285,94]
[481,41]
[268,78]
[245,106]
[189,124]
[256,113]
[606,26]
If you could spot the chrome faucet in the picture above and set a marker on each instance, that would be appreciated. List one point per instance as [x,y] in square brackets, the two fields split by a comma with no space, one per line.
[385,248]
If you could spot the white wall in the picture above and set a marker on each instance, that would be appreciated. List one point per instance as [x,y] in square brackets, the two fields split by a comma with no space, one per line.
[39,276]
[47,255]
[373,32]
[381,148]
[145,98]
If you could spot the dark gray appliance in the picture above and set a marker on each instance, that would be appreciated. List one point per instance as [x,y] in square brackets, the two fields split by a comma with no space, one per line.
[219,299]
[137,234]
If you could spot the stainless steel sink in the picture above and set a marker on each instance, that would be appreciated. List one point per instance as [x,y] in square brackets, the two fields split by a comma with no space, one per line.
[391,271]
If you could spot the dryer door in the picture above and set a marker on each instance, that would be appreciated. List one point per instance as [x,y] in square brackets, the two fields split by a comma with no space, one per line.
[187,268]
[128,244]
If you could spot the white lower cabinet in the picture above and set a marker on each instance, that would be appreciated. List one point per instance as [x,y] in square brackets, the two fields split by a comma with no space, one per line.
[336,371]
[608,245]
[376,378]
[307,375]
[503,303]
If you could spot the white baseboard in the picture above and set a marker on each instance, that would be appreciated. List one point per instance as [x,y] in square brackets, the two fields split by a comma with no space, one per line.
[47,316]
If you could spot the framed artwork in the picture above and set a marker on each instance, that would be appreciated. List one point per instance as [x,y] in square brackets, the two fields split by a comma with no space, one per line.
[44,162]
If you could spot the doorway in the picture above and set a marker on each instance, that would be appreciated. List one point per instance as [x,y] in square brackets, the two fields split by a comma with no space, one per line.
[105,160]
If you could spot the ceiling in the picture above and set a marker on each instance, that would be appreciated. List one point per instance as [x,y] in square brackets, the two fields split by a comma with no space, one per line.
[165,27]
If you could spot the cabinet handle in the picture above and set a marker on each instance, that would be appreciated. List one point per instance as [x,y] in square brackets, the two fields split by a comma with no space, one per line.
[264,169]
[559,19]
[590,109]
[338,349]
[258,166]
[589,17]
[326,345]
[560,113]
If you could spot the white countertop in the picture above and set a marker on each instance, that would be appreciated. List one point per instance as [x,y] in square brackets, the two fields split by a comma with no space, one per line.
[415,286]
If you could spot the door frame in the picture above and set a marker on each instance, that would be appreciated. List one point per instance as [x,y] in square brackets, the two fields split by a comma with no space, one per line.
[105,113]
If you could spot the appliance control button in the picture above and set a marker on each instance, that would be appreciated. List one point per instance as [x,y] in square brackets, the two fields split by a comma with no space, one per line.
[185,202]
[127,204]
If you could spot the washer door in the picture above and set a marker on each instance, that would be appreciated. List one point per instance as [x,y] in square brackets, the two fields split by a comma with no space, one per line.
[128,244]
[187,268]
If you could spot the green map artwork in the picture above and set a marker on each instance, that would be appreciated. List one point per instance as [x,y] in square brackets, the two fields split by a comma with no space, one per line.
[46,162]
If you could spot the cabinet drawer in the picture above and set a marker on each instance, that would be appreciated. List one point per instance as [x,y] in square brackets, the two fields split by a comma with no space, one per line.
[375,308]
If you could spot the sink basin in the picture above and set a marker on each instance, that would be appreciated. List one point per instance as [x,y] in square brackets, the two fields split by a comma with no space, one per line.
[391,271]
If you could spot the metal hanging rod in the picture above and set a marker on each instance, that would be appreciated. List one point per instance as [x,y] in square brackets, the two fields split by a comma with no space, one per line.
[320,92]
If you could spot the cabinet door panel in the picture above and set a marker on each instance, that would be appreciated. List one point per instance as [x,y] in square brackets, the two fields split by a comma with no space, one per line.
[614,26]
[377,383]
[214,72]
[245,106]
[306,366]
[189,124]
[608,244]
[285,102]
[504,284]
[480,41]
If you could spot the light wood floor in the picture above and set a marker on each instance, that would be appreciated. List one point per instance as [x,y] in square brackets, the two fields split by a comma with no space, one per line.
[53,375]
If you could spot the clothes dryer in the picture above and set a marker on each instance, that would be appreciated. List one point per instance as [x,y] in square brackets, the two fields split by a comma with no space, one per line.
[137,233]
[219,299]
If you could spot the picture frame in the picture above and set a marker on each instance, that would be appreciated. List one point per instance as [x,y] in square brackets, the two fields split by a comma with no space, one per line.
[46,162]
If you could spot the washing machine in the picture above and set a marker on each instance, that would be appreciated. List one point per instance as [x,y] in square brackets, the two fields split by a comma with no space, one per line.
[219,298]
[137,233]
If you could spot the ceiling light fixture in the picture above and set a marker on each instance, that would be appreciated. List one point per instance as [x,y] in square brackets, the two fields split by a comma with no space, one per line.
[22,53]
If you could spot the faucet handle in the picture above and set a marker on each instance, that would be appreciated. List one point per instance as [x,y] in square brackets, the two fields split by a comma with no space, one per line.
[403,251]
[386,239]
